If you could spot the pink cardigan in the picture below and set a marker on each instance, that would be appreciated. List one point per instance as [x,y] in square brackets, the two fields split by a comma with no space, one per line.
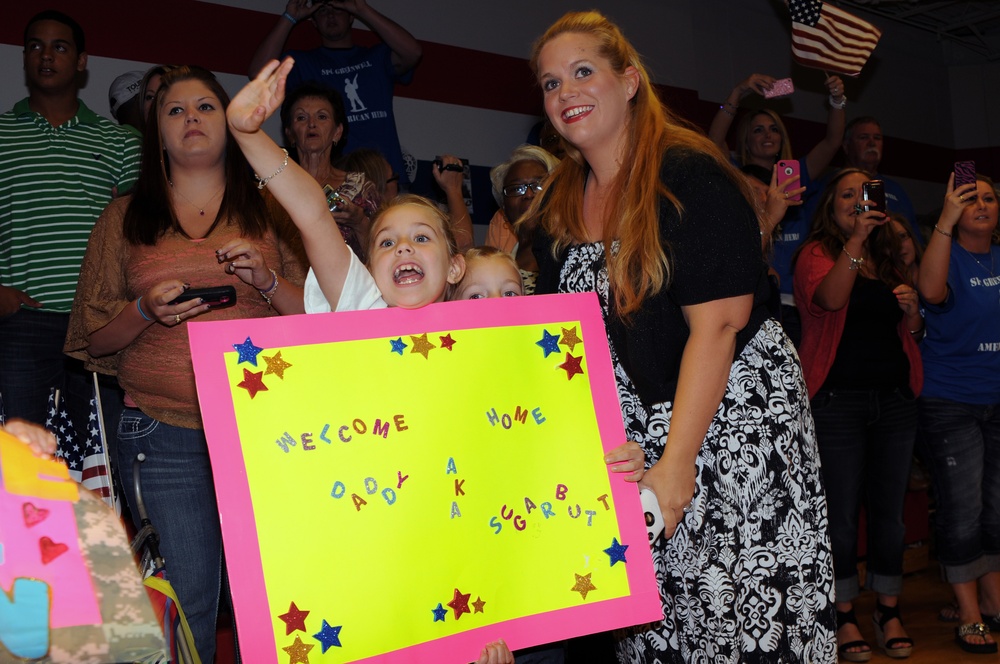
[822,329]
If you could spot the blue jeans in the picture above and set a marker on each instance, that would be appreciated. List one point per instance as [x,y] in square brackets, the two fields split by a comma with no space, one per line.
[866,442]
[961,443]
[179,495]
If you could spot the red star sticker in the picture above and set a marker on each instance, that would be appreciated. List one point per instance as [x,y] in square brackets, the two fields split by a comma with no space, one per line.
[571,365]
[253,382]
[298,652]
[460,603]
[447,341]
[294,619]
[479,604]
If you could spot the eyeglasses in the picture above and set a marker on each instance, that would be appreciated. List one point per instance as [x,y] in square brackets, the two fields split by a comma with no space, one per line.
[518,190]
[392,178]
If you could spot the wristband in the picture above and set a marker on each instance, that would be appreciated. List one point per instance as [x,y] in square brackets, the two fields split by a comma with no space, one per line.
[291,19]
[138,305]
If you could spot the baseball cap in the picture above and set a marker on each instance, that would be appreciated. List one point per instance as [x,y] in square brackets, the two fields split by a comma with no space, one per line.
[122,89]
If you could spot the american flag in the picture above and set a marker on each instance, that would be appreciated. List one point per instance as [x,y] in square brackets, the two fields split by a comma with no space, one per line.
[87,460]
[829,38]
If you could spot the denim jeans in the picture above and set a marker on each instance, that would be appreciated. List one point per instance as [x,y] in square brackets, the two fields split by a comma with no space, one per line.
[962,445]
[866,442]
[179,495]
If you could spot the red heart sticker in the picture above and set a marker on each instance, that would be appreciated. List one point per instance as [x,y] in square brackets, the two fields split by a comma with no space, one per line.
[34,515]
[51,550]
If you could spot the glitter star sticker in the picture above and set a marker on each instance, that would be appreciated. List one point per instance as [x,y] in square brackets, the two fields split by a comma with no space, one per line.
[439,612]
[478,605]
[460,603]
[298,652]
[398,345]
[583,585]
[421,345]
[248,352]
[276,365]
[549,343]
[295,619]
[328,636]
[447,341]
[616,551]
[253,382]
[572,366]
[569,338]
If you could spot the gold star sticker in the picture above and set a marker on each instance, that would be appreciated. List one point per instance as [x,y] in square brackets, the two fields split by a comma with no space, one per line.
[569,338]
[478,605]
[421,345]
[276,365]
[583,585]
[298,652]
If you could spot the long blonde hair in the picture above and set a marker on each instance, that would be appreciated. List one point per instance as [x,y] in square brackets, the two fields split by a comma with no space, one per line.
[641,266]
[743,132]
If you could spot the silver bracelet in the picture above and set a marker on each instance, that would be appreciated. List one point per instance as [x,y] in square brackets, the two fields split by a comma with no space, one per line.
[841,105]
[262,182]
[269,293]
[855,262]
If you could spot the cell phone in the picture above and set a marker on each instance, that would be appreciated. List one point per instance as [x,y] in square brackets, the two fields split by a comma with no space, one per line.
[216,296]
[787,169]
[780,88]
[447,167]
[334,200]
[965,173]
[651,513]
[873,196]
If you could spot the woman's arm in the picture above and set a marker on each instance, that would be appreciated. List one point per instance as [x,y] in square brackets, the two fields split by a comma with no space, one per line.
[136,316]
[824,151]
[834,292]
[932,280]
[294,188]
[704,372]
[458,214]
[724,117]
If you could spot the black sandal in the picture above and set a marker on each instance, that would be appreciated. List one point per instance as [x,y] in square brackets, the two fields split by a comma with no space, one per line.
[898,648]
[974,629]
[843,651]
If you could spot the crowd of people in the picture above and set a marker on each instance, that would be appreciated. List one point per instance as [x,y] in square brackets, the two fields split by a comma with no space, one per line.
[782,347]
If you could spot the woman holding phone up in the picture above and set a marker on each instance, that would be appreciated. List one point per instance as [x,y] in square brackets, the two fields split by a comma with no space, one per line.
[960,406]
[194,219]
[860,325]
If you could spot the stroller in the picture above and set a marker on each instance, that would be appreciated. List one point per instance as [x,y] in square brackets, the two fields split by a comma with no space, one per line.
[146,544]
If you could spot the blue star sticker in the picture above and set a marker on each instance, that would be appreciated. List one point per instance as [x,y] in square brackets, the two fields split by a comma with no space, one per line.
[616,551]
[328,636]
[248,352]
[439,613]
[397,345]
[549,343]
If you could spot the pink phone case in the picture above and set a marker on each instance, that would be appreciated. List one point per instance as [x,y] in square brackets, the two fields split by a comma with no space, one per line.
[780,88]
[787,169]
[965,173]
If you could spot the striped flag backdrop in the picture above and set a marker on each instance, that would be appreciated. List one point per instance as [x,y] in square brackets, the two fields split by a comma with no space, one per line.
[829,38]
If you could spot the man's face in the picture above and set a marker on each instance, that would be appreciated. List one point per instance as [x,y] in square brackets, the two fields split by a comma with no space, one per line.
[51,61]
[864,147]
[332,23]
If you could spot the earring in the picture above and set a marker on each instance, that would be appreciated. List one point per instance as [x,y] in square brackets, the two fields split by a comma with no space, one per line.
[335,141]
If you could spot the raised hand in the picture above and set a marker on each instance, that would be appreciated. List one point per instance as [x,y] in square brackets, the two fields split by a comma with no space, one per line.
[260,98]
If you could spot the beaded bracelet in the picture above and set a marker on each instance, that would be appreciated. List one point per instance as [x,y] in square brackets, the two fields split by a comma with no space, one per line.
[271,290]
[291,19]
[262,182]
[722,107]
[138,305]
[855,262]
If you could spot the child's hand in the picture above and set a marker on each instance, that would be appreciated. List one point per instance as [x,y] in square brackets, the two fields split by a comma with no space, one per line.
[628,458]
[41,441]
[260,98]
[496,652]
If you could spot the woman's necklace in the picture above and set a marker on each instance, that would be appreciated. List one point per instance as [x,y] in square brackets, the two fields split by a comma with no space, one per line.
[973,257]
[200,209]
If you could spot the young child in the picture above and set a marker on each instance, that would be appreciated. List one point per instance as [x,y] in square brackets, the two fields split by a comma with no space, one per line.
[489,272]
[412,254]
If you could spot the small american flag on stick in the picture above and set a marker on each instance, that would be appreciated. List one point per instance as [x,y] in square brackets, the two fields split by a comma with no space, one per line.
[829,38]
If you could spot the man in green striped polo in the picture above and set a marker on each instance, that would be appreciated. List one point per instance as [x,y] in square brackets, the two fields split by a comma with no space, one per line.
[60,165]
